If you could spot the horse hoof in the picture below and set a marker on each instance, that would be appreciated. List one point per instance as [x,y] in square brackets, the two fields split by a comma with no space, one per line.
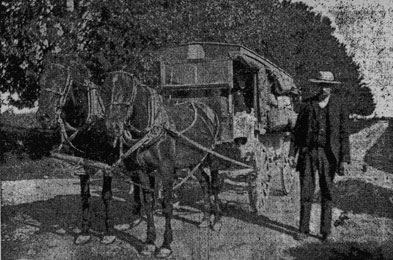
[106,240]
[217,226]
[204,224]
[122,227]
[82,239]
[148,250]
[164,253]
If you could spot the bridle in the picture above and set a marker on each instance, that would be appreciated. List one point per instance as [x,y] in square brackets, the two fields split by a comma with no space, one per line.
[64,126]
[123,136]
[124,129]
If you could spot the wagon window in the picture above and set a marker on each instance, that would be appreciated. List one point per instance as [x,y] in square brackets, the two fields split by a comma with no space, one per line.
[179,74]
[197,73]
[212,72]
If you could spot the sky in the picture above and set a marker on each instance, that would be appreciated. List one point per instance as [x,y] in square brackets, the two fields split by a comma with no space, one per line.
[368,36]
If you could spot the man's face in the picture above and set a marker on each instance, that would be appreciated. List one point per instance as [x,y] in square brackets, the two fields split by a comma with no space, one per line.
[327,90]
[324,91]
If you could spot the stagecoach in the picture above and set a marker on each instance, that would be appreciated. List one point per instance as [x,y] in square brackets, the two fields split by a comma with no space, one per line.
[254,99]
[212,96]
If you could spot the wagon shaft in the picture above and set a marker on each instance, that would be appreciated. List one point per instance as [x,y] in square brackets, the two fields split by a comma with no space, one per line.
[81,161]
[107,169]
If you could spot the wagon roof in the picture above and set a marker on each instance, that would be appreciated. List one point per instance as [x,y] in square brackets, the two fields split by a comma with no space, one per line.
[223,51]
[231,47]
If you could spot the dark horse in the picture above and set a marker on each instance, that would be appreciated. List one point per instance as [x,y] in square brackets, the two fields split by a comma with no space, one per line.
[132,112]
[64,106]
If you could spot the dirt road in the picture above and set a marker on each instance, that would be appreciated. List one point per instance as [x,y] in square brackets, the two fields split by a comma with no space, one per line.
[41,218]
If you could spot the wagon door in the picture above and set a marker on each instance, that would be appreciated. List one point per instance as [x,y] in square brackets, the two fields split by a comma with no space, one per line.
[244,97]
[273,91]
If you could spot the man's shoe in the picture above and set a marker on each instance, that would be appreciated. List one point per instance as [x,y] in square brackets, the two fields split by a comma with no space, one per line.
[301,236]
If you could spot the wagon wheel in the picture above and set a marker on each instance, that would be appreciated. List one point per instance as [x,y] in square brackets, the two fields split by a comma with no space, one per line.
[259,182]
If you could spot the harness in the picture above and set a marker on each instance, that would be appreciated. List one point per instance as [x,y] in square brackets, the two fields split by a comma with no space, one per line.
[96,108]
[63,98]
[159,124]
[156,117]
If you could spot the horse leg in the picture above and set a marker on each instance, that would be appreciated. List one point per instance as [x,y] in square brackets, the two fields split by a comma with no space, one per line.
[167,172]
[216,185]
[85,237]
[106,196]
[204,180]
[148,198]
[137,207]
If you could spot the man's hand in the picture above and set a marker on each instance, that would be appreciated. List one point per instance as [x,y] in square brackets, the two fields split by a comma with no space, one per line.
[343,169]
[292,161]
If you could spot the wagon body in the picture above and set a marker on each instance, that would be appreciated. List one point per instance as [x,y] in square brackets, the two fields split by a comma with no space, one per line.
[214,72]
[253,97]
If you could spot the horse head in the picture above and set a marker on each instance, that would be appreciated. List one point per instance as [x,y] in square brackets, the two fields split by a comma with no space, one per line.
[122,105]
[63,93]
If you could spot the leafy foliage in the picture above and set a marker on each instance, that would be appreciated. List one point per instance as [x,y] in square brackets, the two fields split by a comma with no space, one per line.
[109,35]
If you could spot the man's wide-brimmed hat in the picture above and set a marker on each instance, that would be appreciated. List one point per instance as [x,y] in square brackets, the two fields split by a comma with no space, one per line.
[325,77]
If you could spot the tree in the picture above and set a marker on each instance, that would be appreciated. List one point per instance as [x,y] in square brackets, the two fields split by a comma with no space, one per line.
[29,32]
[127,34]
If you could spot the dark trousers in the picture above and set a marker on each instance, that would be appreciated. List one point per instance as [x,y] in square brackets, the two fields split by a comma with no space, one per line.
[323,161]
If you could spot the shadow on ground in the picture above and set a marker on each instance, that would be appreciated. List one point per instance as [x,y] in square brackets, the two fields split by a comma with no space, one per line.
[380,156]
[360,197]
[356,126]
[342,251]
[61,212]
[65,212]
[235,209]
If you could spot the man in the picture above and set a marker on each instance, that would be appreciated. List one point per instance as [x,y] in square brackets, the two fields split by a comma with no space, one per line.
[240,100]
[321,140]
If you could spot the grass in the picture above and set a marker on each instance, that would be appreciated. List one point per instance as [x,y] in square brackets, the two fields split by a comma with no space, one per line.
[20,143]
[21,167]
[27,120]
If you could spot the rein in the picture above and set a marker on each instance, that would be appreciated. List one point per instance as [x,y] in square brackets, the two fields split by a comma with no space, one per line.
[197,145]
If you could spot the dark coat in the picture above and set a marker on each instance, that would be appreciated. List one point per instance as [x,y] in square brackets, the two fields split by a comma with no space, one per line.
[337,125]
